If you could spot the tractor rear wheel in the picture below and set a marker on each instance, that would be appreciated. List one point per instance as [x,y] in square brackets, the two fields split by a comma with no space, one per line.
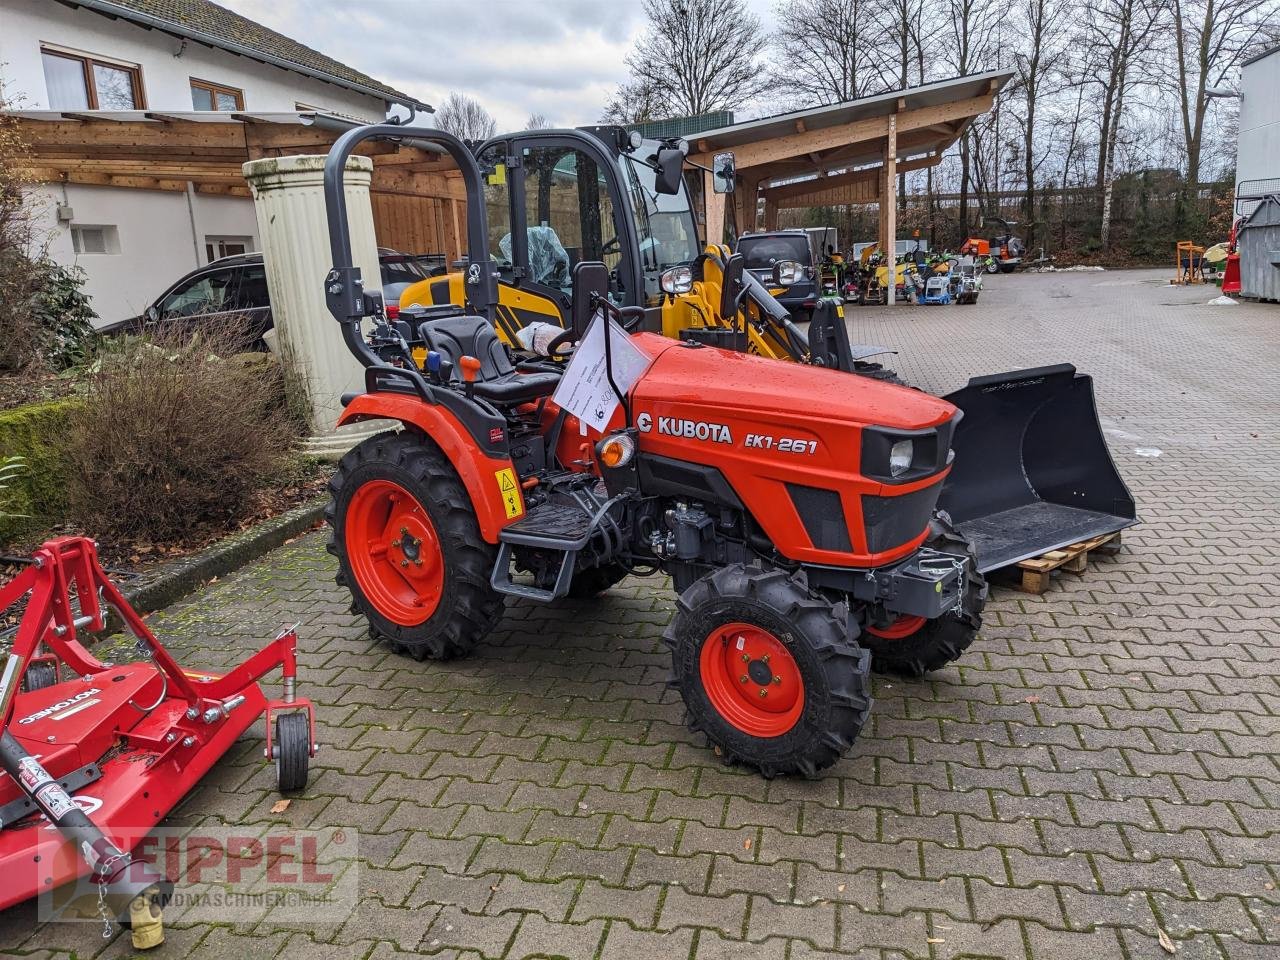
[913,646]
[409,547]
[771,674]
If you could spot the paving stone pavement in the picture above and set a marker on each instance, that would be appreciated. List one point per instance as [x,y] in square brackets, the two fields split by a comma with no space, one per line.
[1101,766]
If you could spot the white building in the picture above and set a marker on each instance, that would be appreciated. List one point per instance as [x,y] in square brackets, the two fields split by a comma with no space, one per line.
[1258,147]
[157,57]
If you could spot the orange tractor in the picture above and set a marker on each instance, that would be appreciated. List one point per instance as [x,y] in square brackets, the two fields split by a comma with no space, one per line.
[801,536]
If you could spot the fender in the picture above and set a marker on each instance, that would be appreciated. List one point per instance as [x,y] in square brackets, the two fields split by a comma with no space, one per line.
[481,474]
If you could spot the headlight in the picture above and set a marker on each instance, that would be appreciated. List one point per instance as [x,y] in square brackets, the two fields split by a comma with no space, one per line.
[900,455]
[677,280]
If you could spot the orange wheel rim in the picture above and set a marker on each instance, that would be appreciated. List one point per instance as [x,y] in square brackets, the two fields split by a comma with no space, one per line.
[751,679]
[900,629]
[394,552]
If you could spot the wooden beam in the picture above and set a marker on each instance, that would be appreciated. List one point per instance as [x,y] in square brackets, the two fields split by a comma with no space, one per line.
[714,206]
[774,149]
[817,185]
[889,206]
[800,127]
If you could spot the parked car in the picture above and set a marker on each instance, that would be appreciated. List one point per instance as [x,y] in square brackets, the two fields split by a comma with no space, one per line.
[761,251]
[237,287]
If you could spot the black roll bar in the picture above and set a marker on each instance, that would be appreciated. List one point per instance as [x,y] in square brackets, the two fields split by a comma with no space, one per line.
[344,286]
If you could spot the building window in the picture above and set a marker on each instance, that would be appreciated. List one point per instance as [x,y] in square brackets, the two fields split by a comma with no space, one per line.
[214,96]
[87,239]
[82,82]
[215,248]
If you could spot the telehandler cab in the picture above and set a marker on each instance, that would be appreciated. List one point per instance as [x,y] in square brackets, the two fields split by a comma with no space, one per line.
[801,536]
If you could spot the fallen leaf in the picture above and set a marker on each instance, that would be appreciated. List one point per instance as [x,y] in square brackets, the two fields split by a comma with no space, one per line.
[1031,699]
[936,940]
[494,887]
[841,888]
[1268,885]
[1166,943]
[746,844]
[280,806]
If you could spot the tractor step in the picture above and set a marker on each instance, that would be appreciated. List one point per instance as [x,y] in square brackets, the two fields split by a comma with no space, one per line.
[551,525]
[1074,559]
[557,526]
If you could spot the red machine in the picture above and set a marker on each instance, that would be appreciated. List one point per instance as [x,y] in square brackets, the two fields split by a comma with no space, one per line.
[93,755]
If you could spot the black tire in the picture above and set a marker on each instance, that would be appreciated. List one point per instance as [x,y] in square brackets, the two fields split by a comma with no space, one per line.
[594,581]
[877,371]
[39,675]
[993,267]
[468,607]
[293,751]
[943,640]
[821,638]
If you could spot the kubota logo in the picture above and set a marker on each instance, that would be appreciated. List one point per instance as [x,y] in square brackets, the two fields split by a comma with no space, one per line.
[60,705]
[689,429]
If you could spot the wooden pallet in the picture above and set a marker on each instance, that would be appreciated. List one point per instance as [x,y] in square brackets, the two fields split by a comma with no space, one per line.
[1074,559]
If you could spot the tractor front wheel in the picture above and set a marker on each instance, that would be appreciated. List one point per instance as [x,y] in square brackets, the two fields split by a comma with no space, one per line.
[409,547]
[771,674]
[913,646]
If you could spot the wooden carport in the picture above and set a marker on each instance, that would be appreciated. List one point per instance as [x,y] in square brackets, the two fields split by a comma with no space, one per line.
[846,153]
[419,202]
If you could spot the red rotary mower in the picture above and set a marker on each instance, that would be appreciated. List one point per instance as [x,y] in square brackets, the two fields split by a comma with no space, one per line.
[94,755]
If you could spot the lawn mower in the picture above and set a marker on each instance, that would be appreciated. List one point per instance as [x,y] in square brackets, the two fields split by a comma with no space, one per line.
[937,289]
[1004,253]
[793,505]
[94,755]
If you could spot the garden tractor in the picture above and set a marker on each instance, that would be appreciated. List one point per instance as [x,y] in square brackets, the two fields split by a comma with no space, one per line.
[800,534]
[603,193]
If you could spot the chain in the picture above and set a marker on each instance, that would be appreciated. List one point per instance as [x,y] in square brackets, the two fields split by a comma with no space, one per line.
[104,872]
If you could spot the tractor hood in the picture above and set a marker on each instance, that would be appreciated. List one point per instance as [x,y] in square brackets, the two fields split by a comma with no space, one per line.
[711,379]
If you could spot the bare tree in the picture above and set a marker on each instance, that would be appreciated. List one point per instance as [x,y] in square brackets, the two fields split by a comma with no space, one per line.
[1116,35]
[1040,25]
[538,121]
[697,56]
[900,26]
[824,49]
[465,118]
[1211,38]
[635,101]
[972,26]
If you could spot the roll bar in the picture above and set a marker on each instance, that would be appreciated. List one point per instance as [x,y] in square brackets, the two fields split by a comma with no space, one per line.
[343,285]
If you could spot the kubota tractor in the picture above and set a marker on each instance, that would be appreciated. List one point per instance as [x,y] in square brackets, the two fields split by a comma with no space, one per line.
[793,506]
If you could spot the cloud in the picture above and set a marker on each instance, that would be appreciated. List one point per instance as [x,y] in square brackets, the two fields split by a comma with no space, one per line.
[562,59]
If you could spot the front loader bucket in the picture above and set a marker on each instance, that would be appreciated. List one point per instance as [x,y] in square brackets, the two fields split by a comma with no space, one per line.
[1032,472]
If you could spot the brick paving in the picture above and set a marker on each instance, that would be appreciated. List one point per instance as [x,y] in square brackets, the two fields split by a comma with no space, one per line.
[1101,766]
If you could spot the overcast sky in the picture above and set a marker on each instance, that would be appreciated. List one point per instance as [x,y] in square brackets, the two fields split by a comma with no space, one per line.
[561,58]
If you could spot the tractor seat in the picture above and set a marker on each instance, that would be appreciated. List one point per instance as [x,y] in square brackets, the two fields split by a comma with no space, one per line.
[498,381]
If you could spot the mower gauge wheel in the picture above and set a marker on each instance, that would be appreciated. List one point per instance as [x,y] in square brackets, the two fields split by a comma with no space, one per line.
[39,675]
[292,750]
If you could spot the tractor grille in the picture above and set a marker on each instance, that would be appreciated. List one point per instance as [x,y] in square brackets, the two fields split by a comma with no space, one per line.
[892,521]
[822,514]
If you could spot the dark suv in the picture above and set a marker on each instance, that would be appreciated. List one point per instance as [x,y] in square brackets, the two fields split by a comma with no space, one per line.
[237,286]
[762,250]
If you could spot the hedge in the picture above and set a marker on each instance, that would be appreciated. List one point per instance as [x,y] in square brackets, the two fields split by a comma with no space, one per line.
[33,432]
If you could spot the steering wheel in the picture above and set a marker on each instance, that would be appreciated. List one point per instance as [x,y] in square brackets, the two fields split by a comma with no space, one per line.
[561,340]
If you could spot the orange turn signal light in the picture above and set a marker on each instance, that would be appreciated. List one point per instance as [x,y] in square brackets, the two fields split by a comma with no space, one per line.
[616,451]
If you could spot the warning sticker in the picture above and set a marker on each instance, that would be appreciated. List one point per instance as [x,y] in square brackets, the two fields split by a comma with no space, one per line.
[55,801]
[510,492]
